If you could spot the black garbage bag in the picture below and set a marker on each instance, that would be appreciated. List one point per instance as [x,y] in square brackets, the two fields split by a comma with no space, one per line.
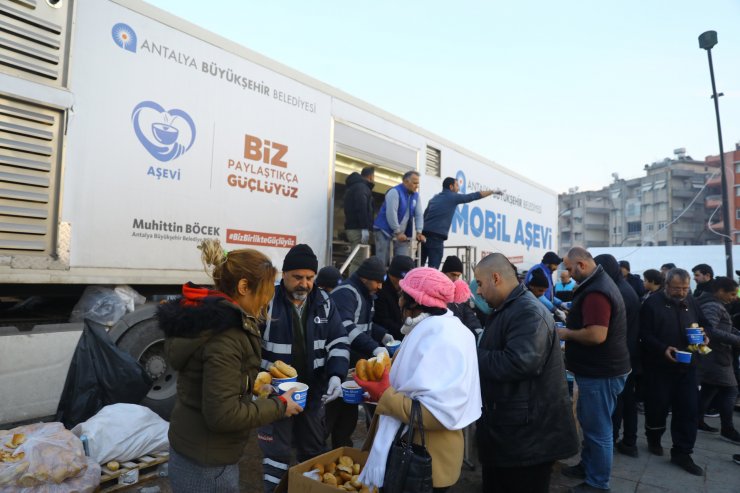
[100,374]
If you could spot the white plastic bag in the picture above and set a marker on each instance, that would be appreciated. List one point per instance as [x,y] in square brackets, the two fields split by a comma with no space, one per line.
[129,296]
[123,432]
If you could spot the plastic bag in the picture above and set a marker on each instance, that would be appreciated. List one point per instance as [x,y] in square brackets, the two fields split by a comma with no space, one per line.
[123,432]
[44,453]
[100,374]
[87,482]
[130,297]
[99,304]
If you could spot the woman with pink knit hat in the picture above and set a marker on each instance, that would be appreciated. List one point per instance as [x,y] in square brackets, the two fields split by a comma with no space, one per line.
[436,365]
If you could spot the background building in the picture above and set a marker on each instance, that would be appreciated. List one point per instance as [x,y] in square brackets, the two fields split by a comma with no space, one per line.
[668,206]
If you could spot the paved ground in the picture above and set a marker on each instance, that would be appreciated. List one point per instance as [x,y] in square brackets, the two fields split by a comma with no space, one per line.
[645,474]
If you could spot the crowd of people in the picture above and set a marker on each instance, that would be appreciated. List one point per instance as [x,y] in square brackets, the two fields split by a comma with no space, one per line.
[495,356]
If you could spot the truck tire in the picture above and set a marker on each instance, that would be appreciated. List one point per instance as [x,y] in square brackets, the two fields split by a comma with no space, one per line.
[145,342]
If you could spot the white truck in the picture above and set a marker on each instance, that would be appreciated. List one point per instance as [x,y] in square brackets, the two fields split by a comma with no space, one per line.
[127,135]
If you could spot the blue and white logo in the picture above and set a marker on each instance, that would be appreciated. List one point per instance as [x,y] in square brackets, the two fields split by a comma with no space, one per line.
[462,182]
[124,36]
[166,134]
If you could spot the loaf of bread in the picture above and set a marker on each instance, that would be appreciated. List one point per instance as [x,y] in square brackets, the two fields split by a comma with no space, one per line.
[280,369]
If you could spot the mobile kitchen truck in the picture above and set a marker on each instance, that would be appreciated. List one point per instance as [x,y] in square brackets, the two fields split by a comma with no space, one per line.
[127,135]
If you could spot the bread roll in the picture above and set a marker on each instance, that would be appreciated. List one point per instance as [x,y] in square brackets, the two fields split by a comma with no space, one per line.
[329,478]
[319,467]
[346,460]
[263,378]
[361,370]
[276,373]
[286,369]
[378,369]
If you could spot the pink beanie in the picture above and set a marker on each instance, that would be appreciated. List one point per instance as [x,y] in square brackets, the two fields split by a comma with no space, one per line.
[429,287]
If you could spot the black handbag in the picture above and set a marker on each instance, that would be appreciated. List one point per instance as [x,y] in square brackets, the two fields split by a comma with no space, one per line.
[409,466]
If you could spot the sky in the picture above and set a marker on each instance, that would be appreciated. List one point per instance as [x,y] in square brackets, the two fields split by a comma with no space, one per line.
[565,93]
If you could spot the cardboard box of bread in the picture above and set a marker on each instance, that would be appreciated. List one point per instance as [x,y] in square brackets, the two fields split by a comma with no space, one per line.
[331,472]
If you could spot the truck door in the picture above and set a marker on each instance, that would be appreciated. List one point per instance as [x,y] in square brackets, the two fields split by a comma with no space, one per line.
[357,147]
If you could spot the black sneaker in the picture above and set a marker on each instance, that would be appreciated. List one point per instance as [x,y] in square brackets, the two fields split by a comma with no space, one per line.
[623,448]
[711,413]
[655,448]
[706,428]
[577,471]
[685,462]
[731,436]
[736,459]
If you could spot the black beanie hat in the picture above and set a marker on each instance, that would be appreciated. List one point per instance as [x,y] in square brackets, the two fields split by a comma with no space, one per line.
[400,266]
[538,279]
[373,269]
[300,257]
[452,264]
[328,277]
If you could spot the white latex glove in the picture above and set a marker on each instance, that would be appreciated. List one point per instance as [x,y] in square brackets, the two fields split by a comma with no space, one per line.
[380,349]
[334,391]
[560,314]
[365,238]
[387,338]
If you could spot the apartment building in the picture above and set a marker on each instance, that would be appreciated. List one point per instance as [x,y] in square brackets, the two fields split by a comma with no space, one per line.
[664,207]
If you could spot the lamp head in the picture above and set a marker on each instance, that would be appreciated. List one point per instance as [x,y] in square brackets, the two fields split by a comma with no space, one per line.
[707,40]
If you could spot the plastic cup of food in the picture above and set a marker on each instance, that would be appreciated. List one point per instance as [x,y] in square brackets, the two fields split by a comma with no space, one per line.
[694,335]
[683,357]
[301,391]
[392,347]
[352,393]
[277,381]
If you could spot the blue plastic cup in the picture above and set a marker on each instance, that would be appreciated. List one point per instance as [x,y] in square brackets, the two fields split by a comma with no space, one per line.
[683,357]
[695,338]
[301,391]
[277,381]
[352,393]
[392,347]
[694,335]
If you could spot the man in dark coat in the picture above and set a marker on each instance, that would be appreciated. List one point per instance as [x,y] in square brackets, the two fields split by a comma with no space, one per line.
[632,279]
[527,422]
[453,268]
[717,374]
[355,302]
[670,385]
[387,312]
[626,402]
[703,275]
[358,210]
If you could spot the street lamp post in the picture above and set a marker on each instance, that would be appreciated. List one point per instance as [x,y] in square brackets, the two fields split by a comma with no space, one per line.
[707,41]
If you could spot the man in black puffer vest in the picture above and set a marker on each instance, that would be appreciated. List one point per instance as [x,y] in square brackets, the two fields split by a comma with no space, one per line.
[596,353]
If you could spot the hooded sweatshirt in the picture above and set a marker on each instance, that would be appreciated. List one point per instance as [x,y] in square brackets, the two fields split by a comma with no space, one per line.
[215,347]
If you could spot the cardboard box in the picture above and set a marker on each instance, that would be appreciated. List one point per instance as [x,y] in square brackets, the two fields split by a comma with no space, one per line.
[298,483]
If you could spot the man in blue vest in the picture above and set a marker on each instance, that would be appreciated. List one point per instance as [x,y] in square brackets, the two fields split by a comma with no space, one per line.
[398,216]
[438,218]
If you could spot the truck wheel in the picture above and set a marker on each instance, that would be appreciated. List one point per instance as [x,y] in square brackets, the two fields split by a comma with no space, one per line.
[145,342]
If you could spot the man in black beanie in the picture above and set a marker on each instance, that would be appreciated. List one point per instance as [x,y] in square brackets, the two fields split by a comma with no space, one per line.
[387,311]
[304,330]
[355,302]
[453,269]
[329,278]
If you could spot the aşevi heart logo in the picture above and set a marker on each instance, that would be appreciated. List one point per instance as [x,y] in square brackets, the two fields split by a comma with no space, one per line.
[166,134]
